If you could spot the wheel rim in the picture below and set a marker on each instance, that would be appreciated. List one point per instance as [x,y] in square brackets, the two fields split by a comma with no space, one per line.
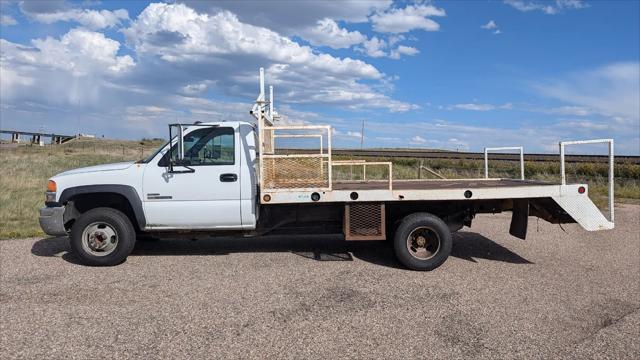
[423,243]
[99,239]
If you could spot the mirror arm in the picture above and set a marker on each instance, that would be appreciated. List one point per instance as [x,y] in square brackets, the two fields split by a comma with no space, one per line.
[173,171]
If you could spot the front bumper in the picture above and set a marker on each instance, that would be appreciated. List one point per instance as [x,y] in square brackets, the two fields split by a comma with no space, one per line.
[52,220]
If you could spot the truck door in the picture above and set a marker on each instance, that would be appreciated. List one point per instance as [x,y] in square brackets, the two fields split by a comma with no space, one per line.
[204,191]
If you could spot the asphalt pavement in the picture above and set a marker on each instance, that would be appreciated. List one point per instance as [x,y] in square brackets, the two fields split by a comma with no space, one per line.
[562,293]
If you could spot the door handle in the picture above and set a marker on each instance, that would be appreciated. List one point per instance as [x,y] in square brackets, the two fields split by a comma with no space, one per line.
[228,177]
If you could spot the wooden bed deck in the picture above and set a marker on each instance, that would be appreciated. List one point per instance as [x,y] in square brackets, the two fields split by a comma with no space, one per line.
[436,184]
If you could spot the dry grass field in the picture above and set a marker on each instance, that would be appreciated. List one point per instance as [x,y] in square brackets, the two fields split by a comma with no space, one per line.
[25,170]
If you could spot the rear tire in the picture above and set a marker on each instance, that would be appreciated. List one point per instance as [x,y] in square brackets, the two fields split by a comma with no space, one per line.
[422,242]
[102,237]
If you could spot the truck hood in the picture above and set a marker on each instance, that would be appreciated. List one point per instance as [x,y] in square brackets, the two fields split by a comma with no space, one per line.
[105,167]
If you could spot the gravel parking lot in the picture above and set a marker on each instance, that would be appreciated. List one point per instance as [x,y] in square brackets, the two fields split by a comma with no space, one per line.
[567,294]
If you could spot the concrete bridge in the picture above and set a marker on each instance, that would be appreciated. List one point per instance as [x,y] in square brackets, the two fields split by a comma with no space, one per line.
[37,137]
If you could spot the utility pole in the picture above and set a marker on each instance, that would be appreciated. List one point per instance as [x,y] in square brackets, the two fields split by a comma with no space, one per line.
[362,135]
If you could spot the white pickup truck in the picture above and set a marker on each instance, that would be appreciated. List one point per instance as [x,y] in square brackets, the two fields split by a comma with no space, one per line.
[233,178]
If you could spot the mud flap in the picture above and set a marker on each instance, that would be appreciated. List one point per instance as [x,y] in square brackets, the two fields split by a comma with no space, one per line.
[520,218]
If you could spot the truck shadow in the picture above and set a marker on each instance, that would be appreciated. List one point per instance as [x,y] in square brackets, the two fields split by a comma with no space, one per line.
[468,246]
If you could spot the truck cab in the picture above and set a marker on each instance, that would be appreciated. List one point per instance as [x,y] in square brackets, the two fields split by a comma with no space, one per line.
[213,186]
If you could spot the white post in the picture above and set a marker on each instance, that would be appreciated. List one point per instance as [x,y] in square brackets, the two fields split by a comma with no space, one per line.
[261,97]
[563,177]
[330,167]
[271,103]
[521,163]
[611,181]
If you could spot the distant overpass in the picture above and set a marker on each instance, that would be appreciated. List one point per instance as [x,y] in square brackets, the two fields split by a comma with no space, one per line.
[37,137]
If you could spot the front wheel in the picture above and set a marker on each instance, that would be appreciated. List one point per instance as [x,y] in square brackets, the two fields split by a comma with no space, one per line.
[103,237]
[422,241]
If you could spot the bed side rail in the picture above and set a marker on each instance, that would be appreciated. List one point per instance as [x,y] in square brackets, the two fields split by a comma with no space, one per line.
[486,158]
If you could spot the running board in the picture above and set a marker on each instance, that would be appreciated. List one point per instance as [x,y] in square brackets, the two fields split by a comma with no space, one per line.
[584,212]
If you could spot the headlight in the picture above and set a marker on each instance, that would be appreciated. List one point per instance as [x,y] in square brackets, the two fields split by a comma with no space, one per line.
[49,197]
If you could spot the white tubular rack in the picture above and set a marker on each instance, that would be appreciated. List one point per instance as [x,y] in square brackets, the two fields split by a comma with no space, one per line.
[563,174]
[486,158]
[364,165]
[286,171]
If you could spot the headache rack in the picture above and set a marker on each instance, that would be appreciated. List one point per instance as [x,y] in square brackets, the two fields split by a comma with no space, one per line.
[310,167]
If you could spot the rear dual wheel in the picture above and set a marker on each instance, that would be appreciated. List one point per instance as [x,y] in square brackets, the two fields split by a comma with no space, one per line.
[422,241]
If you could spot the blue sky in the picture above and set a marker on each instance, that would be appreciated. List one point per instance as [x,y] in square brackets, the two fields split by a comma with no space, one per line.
[432,74]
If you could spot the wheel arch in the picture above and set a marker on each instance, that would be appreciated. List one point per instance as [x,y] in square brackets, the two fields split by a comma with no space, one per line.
[121,197]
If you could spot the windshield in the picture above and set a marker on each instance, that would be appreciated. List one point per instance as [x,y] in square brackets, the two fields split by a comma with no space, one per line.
[150,157]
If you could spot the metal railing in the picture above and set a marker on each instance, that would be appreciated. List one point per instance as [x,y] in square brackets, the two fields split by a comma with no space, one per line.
[486,158]
[563,174]
[364,165]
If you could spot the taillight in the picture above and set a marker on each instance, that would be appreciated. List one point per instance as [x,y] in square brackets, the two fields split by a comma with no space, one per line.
[581,190]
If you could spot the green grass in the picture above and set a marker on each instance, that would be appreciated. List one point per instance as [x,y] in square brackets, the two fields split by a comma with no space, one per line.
[25,171]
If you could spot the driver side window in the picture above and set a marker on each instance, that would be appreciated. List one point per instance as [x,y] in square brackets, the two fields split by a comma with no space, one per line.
[206,146]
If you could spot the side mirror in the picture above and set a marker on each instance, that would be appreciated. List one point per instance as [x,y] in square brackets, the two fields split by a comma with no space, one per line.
[179,144]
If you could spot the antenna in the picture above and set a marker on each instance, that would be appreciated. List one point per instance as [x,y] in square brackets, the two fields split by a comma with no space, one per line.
[259,109]
[271,103]
[261,96]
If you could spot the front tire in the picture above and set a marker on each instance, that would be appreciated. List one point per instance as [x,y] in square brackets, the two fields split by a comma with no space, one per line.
[422,242]
[102,237]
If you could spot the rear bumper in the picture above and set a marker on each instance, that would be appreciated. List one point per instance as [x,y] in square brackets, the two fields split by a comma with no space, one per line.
[52,220]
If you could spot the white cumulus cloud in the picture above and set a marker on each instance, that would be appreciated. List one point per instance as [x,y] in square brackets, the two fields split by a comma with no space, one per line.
[7,20]
[374,47]
[328,33]
[177,33]
[490,25]
[403,50]
[92,19]
[411,17]
[547,7]
[226,50]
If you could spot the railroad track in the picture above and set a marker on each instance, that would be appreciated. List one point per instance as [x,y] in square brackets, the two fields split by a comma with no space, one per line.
[431,154]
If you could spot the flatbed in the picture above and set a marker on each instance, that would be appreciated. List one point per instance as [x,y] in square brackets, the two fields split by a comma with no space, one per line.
[241,178]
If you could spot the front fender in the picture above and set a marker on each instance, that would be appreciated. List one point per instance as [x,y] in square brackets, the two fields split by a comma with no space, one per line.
[127,191]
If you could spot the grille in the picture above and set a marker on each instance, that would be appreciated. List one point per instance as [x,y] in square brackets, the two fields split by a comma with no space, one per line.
[292,172]
[364,221]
